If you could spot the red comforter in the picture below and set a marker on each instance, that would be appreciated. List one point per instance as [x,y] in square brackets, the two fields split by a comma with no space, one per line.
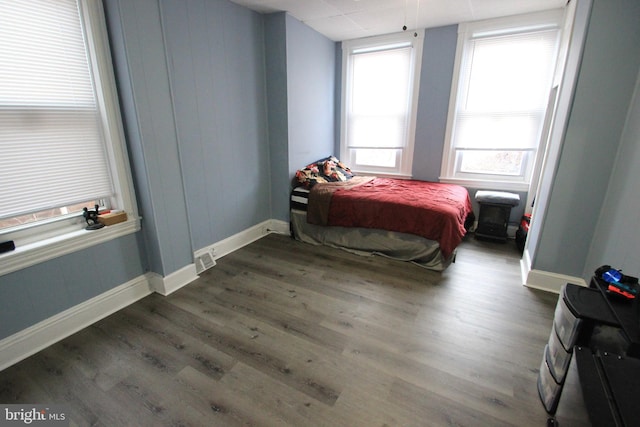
[432,210]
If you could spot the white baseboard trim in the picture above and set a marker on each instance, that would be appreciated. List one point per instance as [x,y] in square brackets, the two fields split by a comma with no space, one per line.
[545,280]
[243,238]
[174,281]
[29,341]
[525,265]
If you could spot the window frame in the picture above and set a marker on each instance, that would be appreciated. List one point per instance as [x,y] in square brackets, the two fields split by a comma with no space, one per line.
[44,240]
[405,160]
[512,25]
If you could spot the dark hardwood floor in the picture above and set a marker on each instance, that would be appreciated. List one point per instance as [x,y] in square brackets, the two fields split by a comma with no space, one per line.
[285,333]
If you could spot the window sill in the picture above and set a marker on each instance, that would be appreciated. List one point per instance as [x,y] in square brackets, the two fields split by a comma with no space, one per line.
[44,250]
[487,184]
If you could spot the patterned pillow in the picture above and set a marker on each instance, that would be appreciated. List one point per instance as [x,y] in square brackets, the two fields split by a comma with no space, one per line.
[329,169]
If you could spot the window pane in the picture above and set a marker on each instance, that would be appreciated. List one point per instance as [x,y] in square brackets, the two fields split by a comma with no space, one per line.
[491,162]
[367,131]
[511,73]
[381,82]
[382,158]
[379,108]
[46,214]
[493,131]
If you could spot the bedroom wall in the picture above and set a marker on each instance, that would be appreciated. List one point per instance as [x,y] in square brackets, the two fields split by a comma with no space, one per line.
[36,293]
[275,30]
[300,86]
[576,25]
[192,81]
[310,94]
[216,70]
[138,52]
[605,84]
[436,75]
[616,239]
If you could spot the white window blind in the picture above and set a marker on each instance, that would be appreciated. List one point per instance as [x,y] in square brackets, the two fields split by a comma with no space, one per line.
[499,99]
[52,152]
[504,90]
[379,102]
[379,108]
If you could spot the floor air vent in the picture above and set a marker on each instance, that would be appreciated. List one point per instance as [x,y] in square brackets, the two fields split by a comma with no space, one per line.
[204,261]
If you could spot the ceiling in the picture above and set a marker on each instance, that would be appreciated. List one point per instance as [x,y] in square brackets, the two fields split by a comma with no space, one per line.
[349,19]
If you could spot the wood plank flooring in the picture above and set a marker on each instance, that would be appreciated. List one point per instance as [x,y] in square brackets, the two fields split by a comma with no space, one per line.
[284,333]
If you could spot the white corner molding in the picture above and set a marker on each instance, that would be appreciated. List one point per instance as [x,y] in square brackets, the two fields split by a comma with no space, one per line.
[29,341]
[165,285]
[545,280]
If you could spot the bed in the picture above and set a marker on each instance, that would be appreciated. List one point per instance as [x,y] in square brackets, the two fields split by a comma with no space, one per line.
[409,220]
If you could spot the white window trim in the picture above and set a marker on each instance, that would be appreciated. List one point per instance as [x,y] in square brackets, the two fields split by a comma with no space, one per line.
[67,235]
[551,18]
[417,40]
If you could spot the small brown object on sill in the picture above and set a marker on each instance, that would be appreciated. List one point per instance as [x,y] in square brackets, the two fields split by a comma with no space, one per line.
[112,218]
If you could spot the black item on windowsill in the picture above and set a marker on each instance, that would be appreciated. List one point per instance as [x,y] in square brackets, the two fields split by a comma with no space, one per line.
[92,219]
[7,246]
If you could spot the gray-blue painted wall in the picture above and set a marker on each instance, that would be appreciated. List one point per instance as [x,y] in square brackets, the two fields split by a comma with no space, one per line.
[436,76]
[616,239]
[275,30]
[136,38]
[215,52]
[606,82]
[310,94]
[301,86]
[36,293]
